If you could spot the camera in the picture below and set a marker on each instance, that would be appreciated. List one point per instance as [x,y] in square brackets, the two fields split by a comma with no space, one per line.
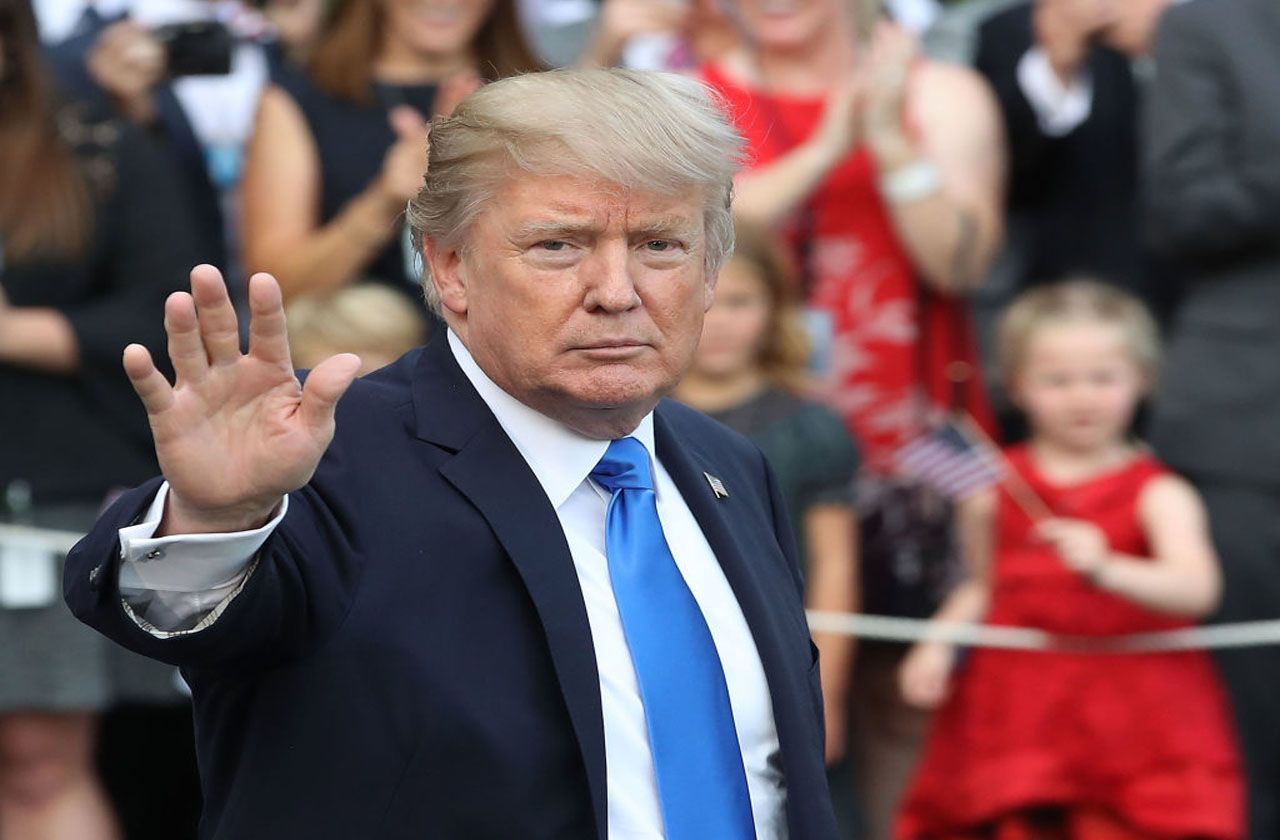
[196,48]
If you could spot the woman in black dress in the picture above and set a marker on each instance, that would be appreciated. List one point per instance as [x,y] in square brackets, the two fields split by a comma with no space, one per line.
[93,238]
[338,150]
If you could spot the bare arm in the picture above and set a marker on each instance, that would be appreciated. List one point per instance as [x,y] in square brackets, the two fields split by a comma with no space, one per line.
[1181,577]
[281,207]
[768,195]
[954,233]
[37,338]
[831,542]
[926,670]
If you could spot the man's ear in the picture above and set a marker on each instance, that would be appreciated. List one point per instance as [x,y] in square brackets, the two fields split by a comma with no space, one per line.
[448,273]
[709,284]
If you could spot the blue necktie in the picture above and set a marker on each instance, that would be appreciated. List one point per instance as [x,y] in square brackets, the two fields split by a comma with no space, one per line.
[701,782]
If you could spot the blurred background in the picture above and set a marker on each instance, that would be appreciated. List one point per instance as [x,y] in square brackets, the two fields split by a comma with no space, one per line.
[913,166]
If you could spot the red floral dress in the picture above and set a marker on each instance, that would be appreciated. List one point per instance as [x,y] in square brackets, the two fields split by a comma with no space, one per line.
[1146,738]
[889,353]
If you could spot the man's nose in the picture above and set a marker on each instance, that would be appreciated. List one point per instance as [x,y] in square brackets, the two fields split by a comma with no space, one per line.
[611,287]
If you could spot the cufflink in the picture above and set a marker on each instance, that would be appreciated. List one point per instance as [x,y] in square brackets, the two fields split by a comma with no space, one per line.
[95,578]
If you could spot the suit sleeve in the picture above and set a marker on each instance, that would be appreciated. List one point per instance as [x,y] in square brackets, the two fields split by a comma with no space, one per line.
[782,527]
[1205,198]
[301,587]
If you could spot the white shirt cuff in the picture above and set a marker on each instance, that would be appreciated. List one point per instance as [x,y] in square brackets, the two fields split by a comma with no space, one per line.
[187,562]
[1060,109]
[180,584]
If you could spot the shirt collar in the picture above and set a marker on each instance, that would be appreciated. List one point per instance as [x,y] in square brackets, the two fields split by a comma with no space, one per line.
[561,459]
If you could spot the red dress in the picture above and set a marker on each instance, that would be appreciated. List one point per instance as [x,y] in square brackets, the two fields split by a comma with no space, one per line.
[889,355]
[1145,737]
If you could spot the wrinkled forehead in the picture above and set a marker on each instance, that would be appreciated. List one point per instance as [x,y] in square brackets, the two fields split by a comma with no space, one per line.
[528,201]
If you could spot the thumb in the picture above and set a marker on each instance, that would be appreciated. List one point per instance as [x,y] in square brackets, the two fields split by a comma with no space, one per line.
[325,386]
[407,123]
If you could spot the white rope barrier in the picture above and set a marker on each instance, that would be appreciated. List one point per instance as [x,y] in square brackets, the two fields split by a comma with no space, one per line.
[892,629]
[889,628]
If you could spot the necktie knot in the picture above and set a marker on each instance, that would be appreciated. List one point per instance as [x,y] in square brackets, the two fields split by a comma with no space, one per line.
[625,465]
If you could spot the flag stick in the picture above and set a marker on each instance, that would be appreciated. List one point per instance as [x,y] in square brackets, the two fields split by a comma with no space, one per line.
[1021,493]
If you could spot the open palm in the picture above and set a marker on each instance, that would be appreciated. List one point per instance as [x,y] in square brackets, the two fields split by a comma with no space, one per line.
[236,431]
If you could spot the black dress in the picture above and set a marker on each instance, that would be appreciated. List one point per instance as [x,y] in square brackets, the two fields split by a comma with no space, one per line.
[72,439]
[352,139]
[813,458]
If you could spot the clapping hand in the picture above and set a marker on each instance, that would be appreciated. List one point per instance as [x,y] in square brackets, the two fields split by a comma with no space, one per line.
[887,71]
[236,431]
[622,20]
[127,61]
[1064,29]
[406,161]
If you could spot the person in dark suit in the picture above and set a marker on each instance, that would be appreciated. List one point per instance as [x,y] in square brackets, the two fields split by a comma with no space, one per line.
[516,593]
[1069,101]
[1063,73]
[1213,204]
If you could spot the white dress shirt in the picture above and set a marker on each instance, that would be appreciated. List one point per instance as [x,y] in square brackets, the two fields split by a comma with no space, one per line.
[181,584]
[1060,109]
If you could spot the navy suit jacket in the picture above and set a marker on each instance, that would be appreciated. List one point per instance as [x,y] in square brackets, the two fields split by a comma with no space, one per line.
[411,656]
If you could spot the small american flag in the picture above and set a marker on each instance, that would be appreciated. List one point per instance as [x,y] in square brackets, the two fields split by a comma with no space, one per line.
[951,460]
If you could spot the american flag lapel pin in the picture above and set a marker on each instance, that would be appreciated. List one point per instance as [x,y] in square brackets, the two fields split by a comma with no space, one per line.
[717,486]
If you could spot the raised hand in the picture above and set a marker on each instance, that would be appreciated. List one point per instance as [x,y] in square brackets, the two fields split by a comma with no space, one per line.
[236,431]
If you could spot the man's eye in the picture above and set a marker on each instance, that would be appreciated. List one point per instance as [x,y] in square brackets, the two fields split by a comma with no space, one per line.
[659,245]
[552,245]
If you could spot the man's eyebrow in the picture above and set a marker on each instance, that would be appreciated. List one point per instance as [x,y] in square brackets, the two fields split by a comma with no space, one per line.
[552,228]
[668,225]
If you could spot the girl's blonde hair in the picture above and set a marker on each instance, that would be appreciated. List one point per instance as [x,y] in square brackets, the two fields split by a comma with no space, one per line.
[784,355]
[1077,301]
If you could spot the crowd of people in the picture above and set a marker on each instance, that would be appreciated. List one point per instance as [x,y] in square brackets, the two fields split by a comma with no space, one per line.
[996,230]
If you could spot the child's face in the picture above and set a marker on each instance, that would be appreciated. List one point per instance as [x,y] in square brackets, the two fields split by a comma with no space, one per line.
[733,332]
[1079,384]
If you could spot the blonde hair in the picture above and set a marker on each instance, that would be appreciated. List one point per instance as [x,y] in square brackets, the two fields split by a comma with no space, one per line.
[357,319]
[1077,301]
[784,356]
[658,132]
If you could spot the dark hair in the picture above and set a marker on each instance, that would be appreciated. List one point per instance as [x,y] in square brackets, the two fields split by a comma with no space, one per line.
[45,203]
[785,353]
[343,59]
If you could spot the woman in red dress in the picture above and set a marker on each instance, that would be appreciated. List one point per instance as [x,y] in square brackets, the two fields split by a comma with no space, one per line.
[884,171]
[1089,537]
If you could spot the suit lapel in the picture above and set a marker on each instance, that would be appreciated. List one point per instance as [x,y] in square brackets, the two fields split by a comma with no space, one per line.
[722,521]
[488,469]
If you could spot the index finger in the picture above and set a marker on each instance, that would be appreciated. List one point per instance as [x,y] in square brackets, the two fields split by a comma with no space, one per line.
[268,337]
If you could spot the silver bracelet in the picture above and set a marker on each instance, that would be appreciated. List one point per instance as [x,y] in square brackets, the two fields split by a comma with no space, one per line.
[912,182]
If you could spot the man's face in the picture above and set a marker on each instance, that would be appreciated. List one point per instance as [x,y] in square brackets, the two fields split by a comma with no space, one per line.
[580,298]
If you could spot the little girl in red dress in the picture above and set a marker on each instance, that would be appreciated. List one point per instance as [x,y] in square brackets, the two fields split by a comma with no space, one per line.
[1077,746]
